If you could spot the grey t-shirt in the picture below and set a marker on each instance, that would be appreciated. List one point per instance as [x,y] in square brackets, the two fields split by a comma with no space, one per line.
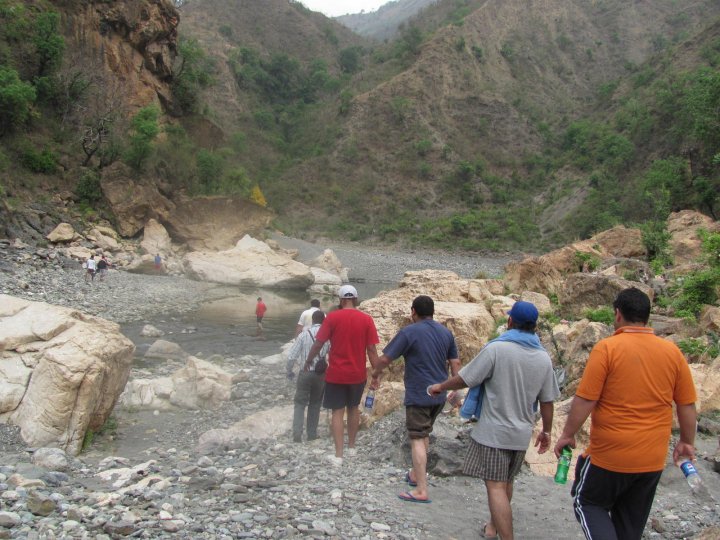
[515,378]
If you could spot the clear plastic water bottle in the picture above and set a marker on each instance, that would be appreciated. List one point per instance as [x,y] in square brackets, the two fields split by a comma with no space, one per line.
[692,477]
[563,465]
[369,401]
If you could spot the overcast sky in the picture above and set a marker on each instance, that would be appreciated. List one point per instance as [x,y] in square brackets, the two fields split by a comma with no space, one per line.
[333,8]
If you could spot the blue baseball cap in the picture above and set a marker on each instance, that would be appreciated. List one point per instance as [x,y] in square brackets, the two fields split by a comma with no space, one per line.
[523,312]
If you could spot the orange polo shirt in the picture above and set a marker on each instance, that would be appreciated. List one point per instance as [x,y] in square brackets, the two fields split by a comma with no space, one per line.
[634,376]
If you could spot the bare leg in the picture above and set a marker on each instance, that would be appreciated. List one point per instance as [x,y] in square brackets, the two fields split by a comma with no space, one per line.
[353,415]
[499,497]
[419,449]
[336,426]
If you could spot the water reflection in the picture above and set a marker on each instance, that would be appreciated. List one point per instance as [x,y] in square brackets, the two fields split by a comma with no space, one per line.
[228,326]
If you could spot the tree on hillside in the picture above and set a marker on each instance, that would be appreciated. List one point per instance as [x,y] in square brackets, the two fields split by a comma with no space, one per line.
[194,71]
[144,130]
[16,100]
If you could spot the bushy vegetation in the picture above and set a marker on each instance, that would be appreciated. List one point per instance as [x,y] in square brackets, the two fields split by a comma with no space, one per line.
[693,290]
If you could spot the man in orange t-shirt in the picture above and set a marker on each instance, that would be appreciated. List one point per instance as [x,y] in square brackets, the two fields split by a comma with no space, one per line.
[629,385]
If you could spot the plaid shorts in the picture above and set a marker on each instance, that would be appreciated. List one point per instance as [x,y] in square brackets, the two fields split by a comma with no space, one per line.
[494,464]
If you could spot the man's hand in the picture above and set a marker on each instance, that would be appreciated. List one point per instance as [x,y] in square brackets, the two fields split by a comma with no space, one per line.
[683,450]
[562,442]
[375,382]
[434,390]
[542,443]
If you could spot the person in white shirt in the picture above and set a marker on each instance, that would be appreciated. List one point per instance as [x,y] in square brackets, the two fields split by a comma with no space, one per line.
[305,320]
[90,269]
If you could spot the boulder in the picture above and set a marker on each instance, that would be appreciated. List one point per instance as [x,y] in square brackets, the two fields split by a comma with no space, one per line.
[62,233]
[328,261]
[53,459]
[133,203]
[155,239]
[471,324]
[389,397]
[215,223]
[570,345]
[583,291]
[251,263]
[151,331]
[484,290]
[541,302]
[166,350]
[200,385]
[147,394]
[709,320]
[79,253]
[325,282]
[707,385]
[545,464]
[79,365]
[270,423]
[620,242]
[103,242]
[683,227]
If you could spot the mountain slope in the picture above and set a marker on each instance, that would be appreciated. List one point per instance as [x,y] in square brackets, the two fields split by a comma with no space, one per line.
[386,20]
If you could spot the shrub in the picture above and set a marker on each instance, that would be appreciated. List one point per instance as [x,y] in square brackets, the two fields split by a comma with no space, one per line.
[257,196]
[39,162]
[349,59]
[478,52]
[605,315]
[587,261]
[88,187]
[423,147]
[16,100]
[144,130]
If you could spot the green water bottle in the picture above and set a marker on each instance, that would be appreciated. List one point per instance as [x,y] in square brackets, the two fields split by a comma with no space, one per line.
[563,465]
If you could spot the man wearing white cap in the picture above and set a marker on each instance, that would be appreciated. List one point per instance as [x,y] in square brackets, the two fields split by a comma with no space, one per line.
[353,338]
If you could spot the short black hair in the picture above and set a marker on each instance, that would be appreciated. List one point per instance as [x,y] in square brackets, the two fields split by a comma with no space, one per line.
[315,302]
[529,326]
[634,305]
[318,317]
[424,306]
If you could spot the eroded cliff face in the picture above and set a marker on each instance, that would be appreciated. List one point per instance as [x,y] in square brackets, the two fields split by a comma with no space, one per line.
[133,41]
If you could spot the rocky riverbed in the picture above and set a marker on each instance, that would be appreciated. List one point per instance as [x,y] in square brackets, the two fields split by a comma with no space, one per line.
[145,476]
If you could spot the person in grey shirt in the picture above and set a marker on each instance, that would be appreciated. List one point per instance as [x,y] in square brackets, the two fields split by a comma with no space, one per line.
[515,372]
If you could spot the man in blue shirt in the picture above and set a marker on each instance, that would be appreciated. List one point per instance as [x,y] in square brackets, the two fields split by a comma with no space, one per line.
[428,347]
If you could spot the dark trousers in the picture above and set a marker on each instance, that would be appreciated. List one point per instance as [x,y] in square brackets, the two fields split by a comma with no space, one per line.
[308,393]
[611,505]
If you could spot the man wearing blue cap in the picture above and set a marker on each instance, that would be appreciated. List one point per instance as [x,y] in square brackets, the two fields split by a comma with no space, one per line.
[516,372]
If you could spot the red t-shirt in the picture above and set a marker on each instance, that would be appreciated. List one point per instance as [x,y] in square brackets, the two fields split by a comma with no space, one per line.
[350,332]
[260,309]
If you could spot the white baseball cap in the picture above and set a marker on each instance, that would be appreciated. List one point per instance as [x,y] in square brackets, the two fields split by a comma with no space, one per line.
[347,291]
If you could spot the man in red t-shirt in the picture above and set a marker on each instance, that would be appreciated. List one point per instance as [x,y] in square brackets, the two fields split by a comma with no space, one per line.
[353,337]
[260,309]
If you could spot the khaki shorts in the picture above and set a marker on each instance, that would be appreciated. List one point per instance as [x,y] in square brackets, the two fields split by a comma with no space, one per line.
[420,420]
[494,464]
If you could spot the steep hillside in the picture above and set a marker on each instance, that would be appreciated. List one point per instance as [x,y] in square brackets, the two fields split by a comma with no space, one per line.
[453,145]
[385,21]
[268,27]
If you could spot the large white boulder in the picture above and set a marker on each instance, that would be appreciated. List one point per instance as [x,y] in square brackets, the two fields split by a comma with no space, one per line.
[251,263]
[266,424]
[73,368]
[155,239]
[62,233]
[200,385]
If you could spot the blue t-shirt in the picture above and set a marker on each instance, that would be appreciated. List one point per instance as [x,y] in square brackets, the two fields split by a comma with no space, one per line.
[426,346]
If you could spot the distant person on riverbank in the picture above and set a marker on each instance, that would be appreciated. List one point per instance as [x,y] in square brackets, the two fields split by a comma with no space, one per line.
[158,262]
[260,309]
[429,349]
[310,381]
[90,268]
[353,339]
[630,382]
[102,267]
[305,320]
[515,372]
